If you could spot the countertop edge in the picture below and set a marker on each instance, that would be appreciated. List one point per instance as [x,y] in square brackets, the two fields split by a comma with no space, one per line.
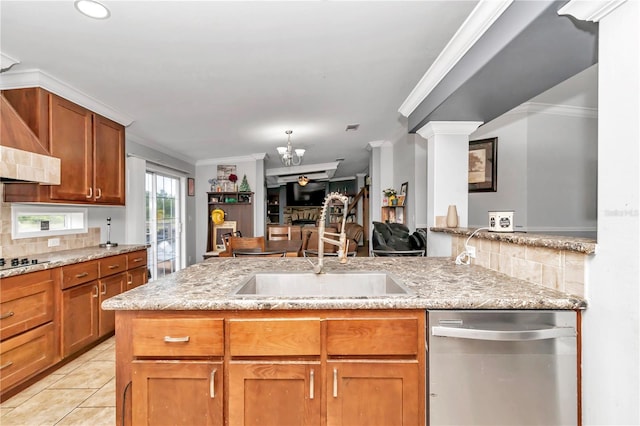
[575,244]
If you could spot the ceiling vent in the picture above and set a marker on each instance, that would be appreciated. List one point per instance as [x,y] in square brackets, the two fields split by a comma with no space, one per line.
[353,127]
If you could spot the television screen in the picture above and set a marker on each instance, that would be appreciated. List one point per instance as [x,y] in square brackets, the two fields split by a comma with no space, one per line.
[310,195]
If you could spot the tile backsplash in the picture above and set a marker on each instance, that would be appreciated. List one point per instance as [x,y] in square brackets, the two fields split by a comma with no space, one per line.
[10,248]
[561,270]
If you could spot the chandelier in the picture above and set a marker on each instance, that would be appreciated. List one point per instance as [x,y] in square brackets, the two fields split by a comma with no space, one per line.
[289,156]
[303,180]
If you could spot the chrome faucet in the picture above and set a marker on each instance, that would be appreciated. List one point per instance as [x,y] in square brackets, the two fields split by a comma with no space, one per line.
[327,237]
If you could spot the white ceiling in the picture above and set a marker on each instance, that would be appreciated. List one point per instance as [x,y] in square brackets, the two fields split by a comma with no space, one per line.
[214,79]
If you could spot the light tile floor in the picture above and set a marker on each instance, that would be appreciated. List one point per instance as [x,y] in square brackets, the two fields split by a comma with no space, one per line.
[79,393]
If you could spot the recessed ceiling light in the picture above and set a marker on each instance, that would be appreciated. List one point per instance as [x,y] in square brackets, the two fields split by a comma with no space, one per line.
[92,9]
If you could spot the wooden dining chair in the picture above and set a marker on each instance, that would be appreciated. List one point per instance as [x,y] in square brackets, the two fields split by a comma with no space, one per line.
[245,243]
[278,233]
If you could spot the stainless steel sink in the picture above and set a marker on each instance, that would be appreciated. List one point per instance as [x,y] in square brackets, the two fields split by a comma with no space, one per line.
[331,284]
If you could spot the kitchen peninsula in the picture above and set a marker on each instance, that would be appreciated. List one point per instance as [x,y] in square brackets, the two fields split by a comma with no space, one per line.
[215,355]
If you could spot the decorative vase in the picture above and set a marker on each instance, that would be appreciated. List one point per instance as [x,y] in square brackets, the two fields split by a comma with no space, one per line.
[452,217]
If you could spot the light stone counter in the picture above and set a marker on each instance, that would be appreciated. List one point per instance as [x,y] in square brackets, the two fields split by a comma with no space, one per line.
[69,257]
[558,242]
[437,282]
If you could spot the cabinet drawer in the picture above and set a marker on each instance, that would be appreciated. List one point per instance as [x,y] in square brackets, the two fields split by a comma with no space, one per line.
[26,301]
[112,265]
[79,273]
[398,336]
[273,337]
[136,259]
[178,337]
[26,354]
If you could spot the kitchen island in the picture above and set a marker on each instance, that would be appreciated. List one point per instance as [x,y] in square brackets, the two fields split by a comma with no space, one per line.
[184,341]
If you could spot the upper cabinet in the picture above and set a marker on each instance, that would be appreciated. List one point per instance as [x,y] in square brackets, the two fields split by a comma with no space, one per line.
[89,146]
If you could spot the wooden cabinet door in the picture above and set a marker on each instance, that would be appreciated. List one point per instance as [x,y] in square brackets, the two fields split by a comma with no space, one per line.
[177,393]
[79,317]
[135,278]
[373,394]
[70,140]
[108,161]
[274,394]
[109,287]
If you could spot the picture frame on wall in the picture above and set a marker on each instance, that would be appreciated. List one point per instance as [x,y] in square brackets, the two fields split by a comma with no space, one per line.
[483,165]
[191,187]
[403,188]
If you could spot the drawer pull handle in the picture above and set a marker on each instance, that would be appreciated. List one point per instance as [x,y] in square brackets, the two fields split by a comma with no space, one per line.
[212,383]
[137,259]
[335,382]
[98,193]
[82,275]
[129,279]
[117,265]
[9,364]
[97,291]
[104,289]
[170,339]
[90,193]
[311,384]
[7,315]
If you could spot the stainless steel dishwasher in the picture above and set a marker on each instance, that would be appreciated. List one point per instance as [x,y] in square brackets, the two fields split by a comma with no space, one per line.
[503,368]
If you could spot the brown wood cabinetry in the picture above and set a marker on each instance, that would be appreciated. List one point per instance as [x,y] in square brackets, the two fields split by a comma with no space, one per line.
[27,328]
[178,389]
[302,368]
[136,269]
[90,147]
[85,286]
[237,206]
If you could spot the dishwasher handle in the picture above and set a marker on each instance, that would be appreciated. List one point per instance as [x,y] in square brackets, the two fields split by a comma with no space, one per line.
[541,333]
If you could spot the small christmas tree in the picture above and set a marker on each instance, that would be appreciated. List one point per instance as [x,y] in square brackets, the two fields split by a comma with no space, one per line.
[244,186]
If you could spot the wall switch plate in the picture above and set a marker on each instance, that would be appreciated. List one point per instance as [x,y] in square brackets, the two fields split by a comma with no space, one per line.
[53,242]
[471,251]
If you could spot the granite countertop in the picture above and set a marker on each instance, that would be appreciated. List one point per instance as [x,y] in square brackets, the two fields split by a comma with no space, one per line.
[581,245]
[438,283]
[68,257]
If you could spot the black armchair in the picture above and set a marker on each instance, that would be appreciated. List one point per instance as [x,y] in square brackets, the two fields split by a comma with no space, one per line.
[397,237]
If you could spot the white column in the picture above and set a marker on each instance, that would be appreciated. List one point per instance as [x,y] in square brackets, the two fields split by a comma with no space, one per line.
[610,337]
[447,176]
[381,172]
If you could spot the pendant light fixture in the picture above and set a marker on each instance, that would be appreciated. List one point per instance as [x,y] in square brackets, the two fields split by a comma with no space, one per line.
[288,155]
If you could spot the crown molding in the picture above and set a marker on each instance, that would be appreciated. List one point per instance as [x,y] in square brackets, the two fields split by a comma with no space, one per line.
[433,128]
[477,23]
[377,144]
[553,109]
[590,10]
[227,160]
[132,137]
[38,78]
[7,62]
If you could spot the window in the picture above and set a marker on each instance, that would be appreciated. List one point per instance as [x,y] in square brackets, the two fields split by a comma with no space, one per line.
[28,221]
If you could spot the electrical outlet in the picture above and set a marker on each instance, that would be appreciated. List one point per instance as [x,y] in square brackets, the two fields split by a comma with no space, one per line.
[53,242]
[471,250]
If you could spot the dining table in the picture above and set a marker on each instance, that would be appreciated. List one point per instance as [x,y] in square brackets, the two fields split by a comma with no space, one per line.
[293,248]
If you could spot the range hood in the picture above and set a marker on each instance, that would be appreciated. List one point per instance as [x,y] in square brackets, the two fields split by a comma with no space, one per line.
[22,157]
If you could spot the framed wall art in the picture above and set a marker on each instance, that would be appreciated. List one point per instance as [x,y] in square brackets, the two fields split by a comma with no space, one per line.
[483,165]
[191,187]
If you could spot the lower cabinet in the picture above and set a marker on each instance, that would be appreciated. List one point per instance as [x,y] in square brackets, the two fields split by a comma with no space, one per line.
[347,368]
[109,287]
[177,393]
[26,354]
[274,393]
[384,393]
[79,317]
